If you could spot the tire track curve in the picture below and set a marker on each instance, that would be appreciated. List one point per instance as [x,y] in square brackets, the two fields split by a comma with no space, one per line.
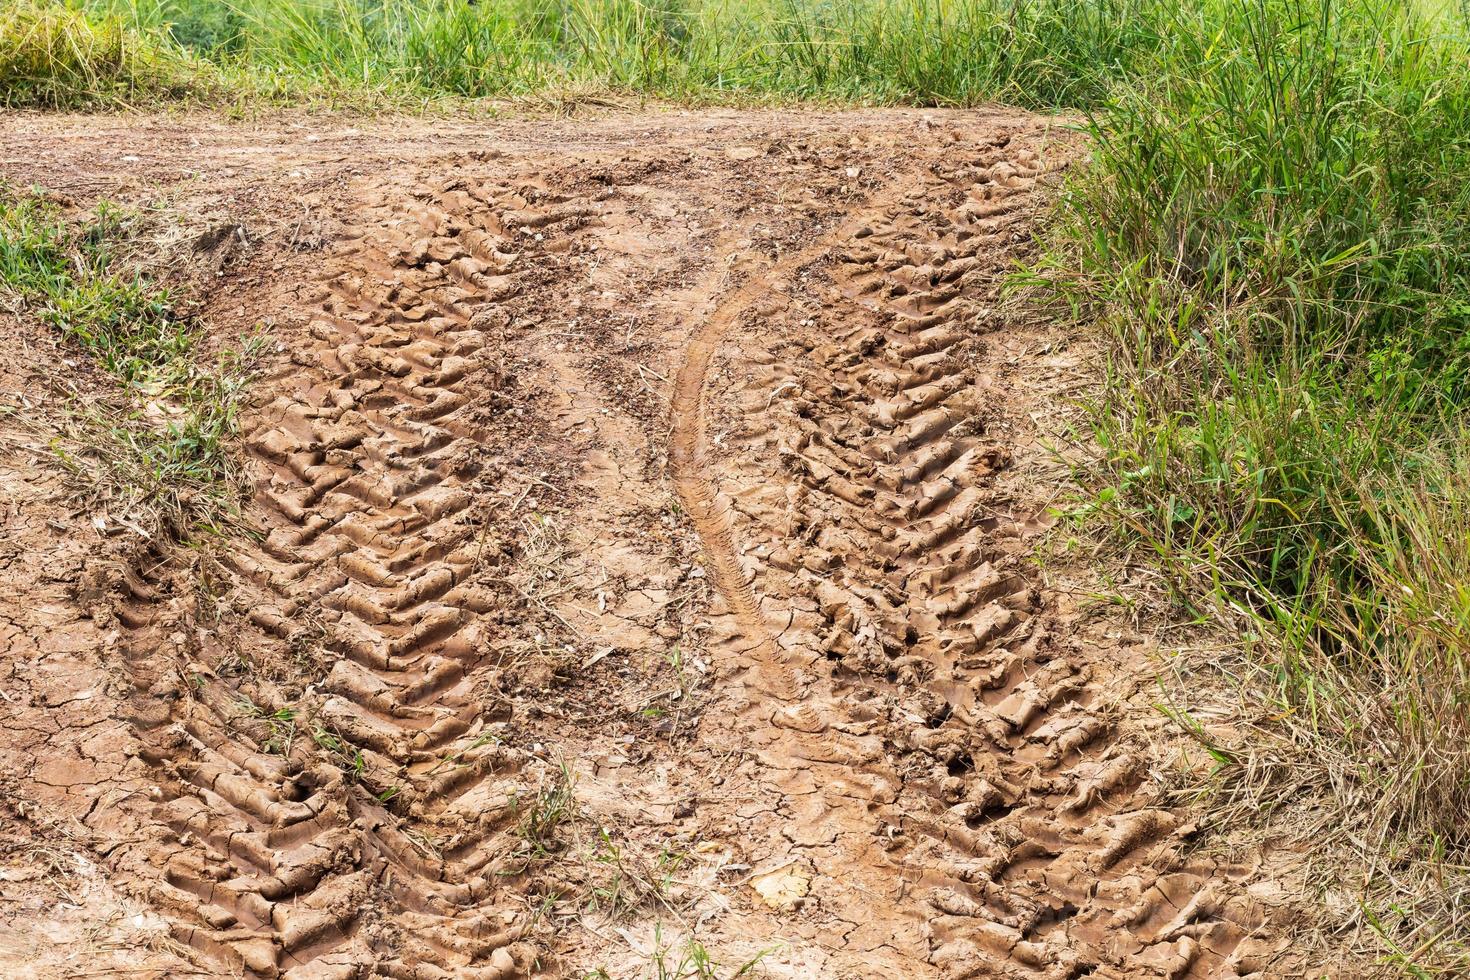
[690,465]
[940,672]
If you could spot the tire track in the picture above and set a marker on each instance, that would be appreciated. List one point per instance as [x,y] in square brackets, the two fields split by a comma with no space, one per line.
[1018,810]
[689,461]
[926,737]
[366,826]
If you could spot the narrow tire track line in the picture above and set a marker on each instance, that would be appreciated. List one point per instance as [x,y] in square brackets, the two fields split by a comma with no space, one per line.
[689,452]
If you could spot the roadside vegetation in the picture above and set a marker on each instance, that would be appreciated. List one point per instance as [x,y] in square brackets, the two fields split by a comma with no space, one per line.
[1272,236]
[406,53]
[1274,232]
[155,449]
[54,57]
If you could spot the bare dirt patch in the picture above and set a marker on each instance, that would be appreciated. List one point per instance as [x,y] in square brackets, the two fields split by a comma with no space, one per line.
[638,566]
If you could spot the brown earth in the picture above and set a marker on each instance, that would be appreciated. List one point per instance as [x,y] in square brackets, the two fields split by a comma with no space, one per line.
[640,557]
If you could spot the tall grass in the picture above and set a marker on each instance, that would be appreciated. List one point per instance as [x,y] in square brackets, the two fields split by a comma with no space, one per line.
[936,52]
[53,57]
[1275,231]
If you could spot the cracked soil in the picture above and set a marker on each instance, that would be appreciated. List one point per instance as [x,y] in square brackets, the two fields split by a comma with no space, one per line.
[639,546]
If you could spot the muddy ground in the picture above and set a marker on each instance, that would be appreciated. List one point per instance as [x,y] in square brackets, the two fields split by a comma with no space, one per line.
[640,555]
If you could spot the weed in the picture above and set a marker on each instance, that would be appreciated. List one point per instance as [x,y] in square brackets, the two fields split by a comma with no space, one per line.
[542,817]
[456,758]
[680,701]
[626,880]
[694,962]
[280,725]
[64,276]
[344,755]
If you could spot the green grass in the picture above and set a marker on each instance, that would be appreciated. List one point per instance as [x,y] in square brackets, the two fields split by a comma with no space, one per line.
[158,448]
[1275,234]
[67,277]
[694,962]
[54,57]
[543,816]
[408,52]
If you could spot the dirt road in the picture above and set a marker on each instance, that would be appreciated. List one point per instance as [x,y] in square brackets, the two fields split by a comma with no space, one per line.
[638,564]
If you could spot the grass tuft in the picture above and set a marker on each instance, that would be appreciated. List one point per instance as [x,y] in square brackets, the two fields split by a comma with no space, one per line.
[543,816]
[159,453]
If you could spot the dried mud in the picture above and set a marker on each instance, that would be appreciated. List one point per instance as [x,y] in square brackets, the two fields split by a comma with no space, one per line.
[639,547]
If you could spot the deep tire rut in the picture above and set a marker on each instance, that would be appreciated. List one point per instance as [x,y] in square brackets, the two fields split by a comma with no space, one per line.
[386,788]
[924,656]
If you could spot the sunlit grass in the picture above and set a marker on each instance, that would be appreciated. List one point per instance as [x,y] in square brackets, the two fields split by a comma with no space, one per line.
[936,52]
[54,57]
[1275,233]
